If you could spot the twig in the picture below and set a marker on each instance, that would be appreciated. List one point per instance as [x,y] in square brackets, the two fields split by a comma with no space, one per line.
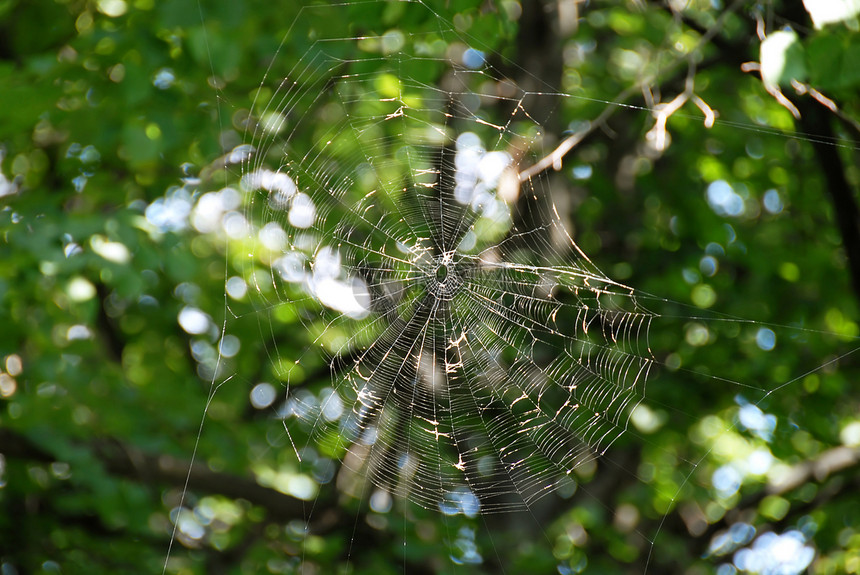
[802,88]
[554,158]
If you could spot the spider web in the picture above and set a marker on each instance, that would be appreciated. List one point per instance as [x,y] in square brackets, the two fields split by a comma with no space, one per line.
[478,356]
[388,222]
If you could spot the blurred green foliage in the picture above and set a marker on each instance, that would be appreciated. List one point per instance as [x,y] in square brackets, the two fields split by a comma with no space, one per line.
[108,107]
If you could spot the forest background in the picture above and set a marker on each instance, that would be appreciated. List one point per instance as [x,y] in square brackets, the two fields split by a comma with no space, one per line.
[111,107]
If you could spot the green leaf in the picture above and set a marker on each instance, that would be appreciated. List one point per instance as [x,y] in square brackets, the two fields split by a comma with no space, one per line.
[824,12]
[782,59]
[833,61]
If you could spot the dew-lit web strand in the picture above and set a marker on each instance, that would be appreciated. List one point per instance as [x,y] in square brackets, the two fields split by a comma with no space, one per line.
[587,453]
[724,317]
[344,380]
[558,273]
[552,302]
[497,449]
[446,396]
[372,347]
[376,410]
[442,388]
[478,410]
[258,289]
[522,321]
[314,504]
[389,383]
[726,380]
[509,426]
[420,355]
[437,235]
[380,319]
[514,112]
[369,159]
[331,322]
[454,98]
[381,254]
[625,427]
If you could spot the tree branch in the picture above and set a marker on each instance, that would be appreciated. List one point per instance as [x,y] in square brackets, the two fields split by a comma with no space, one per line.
[815,122]
[133,463]
[841,461]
